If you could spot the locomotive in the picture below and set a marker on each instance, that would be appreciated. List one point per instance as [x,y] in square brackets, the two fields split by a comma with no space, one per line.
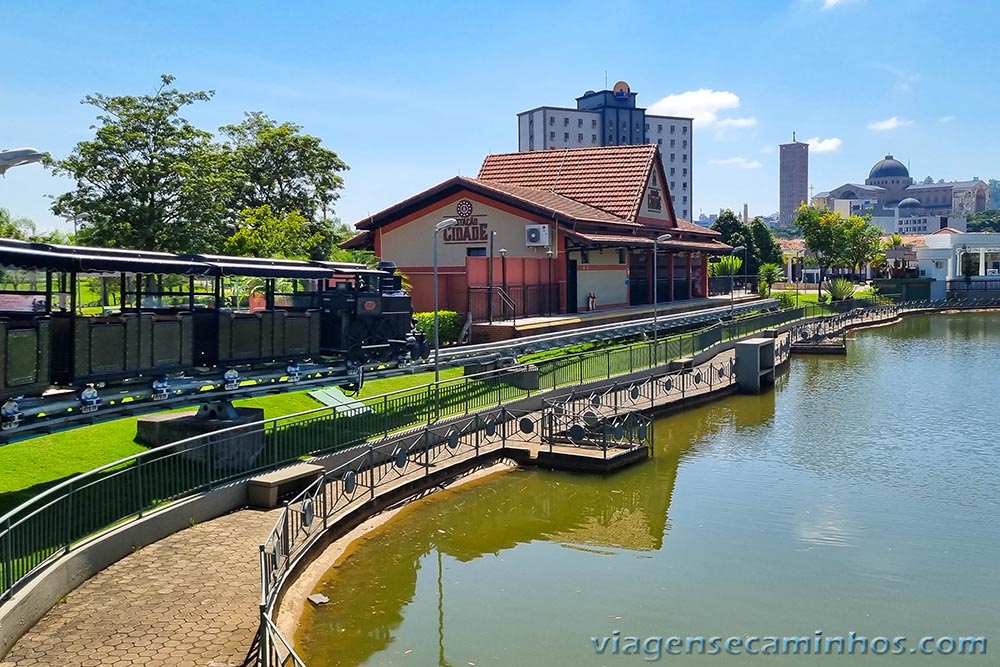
[76,318]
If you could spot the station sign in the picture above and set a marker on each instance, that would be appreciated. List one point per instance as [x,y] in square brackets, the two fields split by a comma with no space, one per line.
[471,227]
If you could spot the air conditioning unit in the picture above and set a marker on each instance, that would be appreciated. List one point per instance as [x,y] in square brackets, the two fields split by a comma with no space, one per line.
[536,235]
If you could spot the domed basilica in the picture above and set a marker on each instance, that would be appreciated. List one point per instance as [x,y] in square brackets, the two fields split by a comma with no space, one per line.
[889,192]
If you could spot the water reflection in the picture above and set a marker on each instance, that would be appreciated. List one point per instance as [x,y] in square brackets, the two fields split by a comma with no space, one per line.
[861,494]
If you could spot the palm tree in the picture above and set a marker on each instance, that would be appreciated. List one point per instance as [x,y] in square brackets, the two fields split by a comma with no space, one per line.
[770,273]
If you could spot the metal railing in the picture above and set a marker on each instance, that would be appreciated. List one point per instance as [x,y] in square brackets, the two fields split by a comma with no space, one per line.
[396,464]
[37,532]
[50,524]
[487,304]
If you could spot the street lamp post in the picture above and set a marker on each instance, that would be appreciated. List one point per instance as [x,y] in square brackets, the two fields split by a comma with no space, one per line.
[656,297]
[732,275]
[799,255]
[444,224]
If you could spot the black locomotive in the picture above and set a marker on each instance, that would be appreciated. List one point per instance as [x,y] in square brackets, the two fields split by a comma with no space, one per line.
[73,317]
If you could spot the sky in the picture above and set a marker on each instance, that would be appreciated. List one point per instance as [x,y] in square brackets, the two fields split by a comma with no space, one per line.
[412,93]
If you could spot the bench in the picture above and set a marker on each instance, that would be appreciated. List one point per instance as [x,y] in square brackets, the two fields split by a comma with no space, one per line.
[264,490]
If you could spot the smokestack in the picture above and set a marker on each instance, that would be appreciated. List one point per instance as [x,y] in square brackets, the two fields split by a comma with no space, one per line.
[746,214]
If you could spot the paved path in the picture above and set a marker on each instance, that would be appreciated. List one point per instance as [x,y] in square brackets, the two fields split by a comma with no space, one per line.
[189,599]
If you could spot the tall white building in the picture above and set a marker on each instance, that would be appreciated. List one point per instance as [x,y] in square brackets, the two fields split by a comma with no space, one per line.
[611,118]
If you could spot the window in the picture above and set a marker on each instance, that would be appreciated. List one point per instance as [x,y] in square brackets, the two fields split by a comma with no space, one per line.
[685,130]
[684,185]
[685,171]
[672,170]
[579,122]
[684,213]
[685,199]
[552,136]
[647,127]
[685,143]
[565,136]
[566,121]
[659,142]
[684,158]
[659,128]
[624,140]
[673,128]
[673,184]
[584,257]
[611,140]
[593,122]
[621,255]
[552,120]
[672,142]
[579,138]
[593,138]
[672,156]
[611,124]
[475,252]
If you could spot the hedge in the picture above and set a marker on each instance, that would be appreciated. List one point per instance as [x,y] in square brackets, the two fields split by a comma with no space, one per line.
[449,321]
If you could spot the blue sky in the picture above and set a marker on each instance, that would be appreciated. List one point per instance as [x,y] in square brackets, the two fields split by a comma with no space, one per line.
[412,93]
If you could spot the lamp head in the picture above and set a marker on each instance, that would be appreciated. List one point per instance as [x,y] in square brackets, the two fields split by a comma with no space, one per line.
[549,253]
[664,237]
[445,224]
[737,249]
[502,251]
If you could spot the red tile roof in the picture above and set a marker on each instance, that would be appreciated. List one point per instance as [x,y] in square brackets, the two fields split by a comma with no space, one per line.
[688,226]
[610,178]
[557,203]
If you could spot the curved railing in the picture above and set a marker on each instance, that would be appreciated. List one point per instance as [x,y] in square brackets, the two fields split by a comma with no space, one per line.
[36,533]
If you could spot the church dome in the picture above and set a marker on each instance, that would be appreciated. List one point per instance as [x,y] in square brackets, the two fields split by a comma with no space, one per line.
[888,168]
[909,202]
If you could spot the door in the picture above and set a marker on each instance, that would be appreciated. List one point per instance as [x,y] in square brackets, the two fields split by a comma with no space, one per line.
[571,286]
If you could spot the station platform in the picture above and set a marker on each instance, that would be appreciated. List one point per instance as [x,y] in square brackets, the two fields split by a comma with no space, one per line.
[500,330]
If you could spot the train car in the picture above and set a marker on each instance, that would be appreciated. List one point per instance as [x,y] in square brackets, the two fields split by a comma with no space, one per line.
[75,316]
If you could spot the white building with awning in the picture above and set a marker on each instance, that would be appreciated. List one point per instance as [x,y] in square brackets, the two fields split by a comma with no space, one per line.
[962,264]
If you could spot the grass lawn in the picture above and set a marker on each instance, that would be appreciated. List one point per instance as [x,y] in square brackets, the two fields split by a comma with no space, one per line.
[30,466]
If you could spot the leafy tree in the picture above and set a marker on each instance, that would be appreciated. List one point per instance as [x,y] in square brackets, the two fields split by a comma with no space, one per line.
[733,231]
[928,181]
[148,179]
[289,171]
[764,248]
[858,242]
[818,230]
[985,221]
[15,228]
[262,233]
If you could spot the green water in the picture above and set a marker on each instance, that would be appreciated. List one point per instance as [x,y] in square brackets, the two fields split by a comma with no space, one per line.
[861,495]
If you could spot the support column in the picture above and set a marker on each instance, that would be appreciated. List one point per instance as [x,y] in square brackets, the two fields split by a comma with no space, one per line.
[670,273]
[982,262]
[704,275]
[650,277]
[690,282]
[951,267]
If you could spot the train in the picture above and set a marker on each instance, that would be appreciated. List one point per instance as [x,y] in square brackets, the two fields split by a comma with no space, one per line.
[75,320]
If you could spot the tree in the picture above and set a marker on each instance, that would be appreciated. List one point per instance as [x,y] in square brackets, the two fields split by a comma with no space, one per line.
[928,181]
[728,265]
[15,228]
[818,230]
[262,233]
[148,179]
[994,192]
[765,249]
[985,221]
[858,242]
[770,273]
[733,231]
[289,171]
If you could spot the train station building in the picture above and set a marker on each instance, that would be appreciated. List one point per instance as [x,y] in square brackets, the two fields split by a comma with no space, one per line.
[546,232]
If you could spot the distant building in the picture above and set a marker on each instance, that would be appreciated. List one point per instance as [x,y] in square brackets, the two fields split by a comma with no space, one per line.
[890,196]
[611,118]
[793,179]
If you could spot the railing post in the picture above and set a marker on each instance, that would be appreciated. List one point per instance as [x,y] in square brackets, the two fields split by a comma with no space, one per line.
[140,487]
[466,396]
[68,528]
[371,472]
[8,562]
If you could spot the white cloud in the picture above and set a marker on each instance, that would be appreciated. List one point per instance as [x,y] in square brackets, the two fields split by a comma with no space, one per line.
[830,4]
[704,106]
[889,124]
[740,162]
[831,145]
[946,119]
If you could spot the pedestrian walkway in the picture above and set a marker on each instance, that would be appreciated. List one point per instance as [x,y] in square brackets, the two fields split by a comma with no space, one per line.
[190,599]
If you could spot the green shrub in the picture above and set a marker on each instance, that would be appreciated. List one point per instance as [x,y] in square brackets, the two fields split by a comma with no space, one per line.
[840,289]
[822,298]
[785,299]
[451,324]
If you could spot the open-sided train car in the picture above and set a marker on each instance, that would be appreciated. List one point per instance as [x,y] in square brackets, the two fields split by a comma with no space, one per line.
[72,316]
